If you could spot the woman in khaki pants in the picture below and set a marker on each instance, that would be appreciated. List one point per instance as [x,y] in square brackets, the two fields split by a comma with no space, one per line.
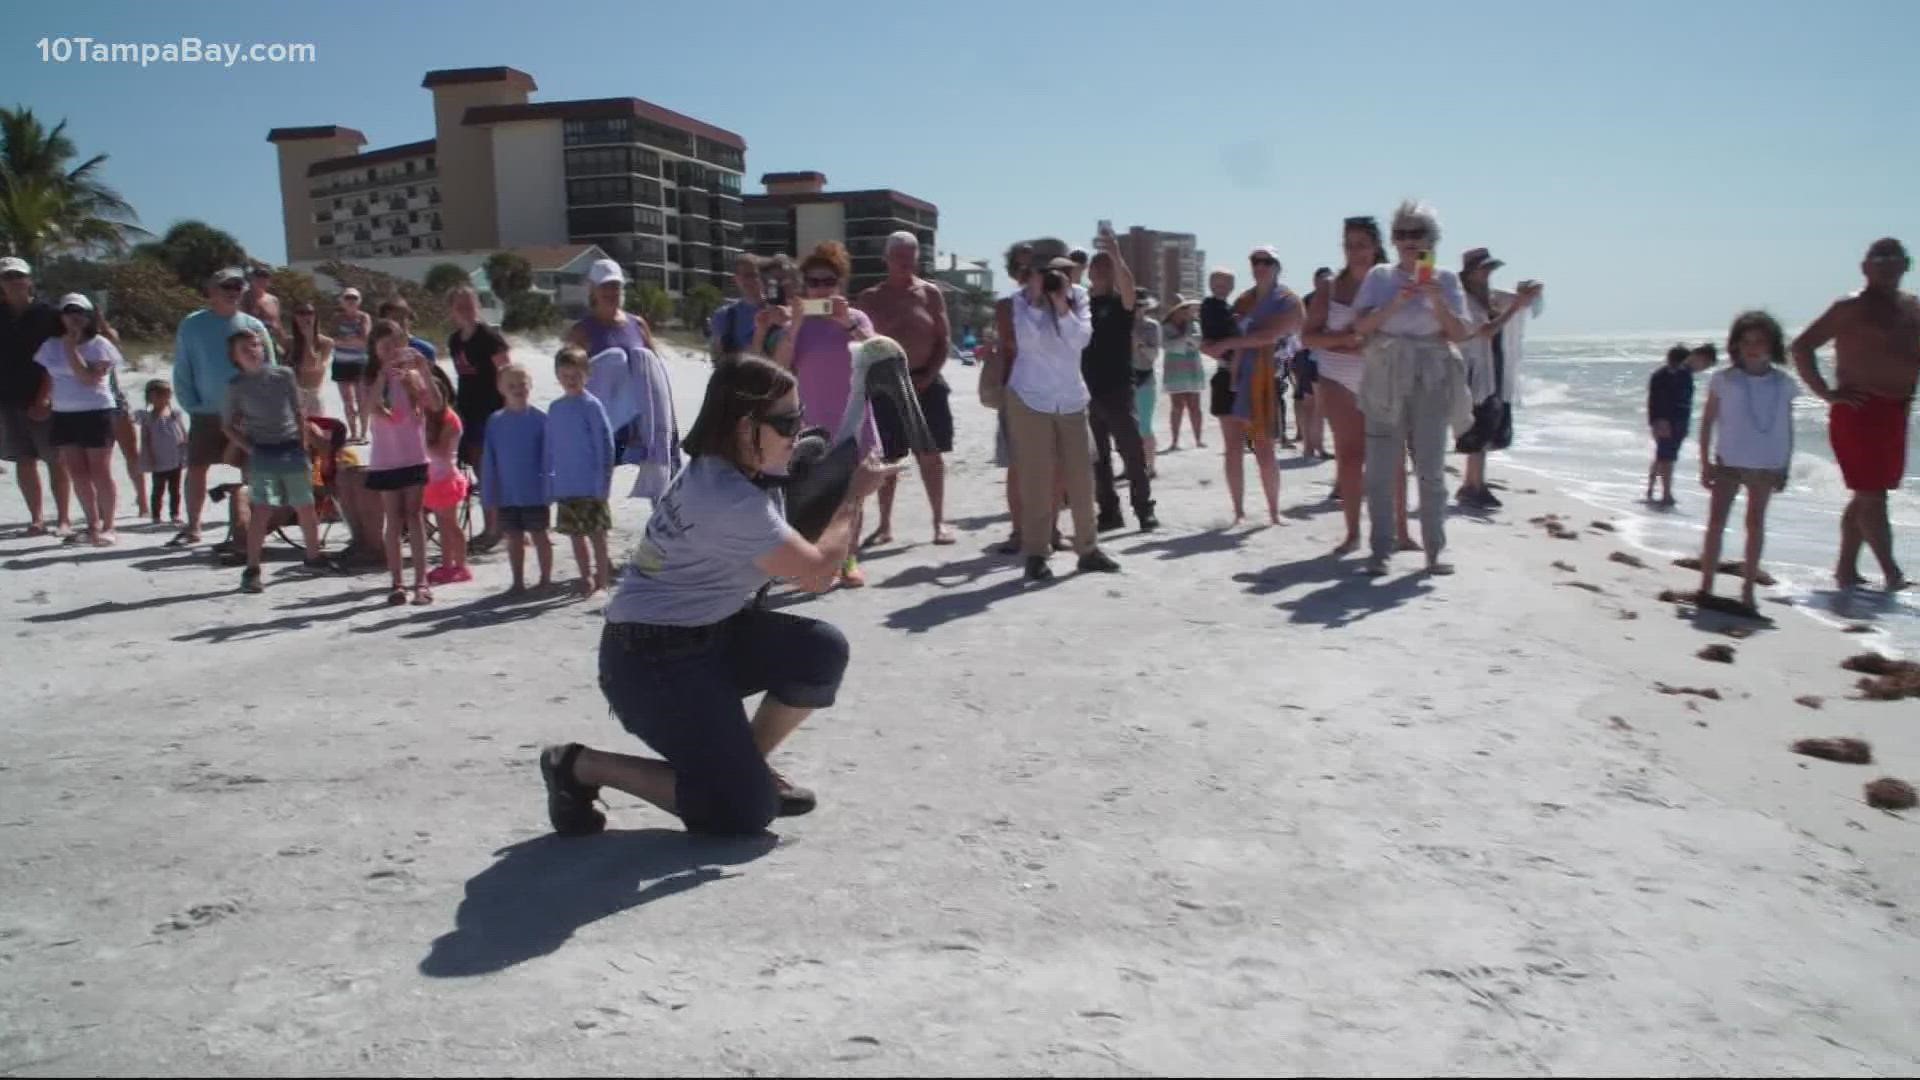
[1047,410]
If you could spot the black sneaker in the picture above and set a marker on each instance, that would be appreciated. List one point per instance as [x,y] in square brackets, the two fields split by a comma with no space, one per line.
[1012,546]
[569,802]
[250,581]
[1098,562]
[794,799]
[1109,521]
[1148,522]
[1489,500]
[1037,568]
[322,564]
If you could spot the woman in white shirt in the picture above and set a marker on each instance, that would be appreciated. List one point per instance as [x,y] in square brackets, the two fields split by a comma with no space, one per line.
[1750,409]
[1415,385]
[79,364]
[1046,405]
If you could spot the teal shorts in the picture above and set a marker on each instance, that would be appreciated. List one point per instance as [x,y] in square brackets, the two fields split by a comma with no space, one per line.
[280,475]
[1145,396]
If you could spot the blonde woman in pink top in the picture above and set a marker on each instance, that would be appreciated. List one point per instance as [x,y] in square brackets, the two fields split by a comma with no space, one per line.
[399,395]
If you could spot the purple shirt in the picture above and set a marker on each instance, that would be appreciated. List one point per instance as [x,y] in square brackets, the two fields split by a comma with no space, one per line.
[823,366]
[625,334]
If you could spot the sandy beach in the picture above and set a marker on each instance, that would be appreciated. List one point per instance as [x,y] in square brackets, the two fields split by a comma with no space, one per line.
[1236,810]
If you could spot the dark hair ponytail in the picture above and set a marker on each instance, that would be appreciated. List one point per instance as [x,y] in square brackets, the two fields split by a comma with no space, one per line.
[747,387]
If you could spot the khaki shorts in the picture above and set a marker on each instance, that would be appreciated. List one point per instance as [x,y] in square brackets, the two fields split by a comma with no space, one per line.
[23,439]
[207,444]
[1734,474]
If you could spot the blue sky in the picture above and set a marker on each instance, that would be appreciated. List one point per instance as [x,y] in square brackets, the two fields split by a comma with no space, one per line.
[1658,165]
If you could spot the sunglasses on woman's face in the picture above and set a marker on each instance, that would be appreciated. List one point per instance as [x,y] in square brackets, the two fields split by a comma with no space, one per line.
[818,282]
[786,424]
[1409,234]
[1263,261]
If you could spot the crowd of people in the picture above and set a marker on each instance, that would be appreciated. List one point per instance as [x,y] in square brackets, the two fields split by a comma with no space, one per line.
[1399,359]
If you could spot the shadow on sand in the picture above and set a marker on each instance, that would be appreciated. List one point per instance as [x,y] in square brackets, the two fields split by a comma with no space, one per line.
[538,892]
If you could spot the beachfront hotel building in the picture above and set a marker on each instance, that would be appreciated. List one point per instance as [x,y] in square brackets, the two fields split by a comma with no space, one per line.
[656,190]
[798,212]
[1165,263]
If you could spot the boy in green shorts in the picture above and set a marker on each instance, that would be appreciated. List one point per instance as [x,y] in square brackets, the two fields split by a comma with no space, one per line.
[263,416]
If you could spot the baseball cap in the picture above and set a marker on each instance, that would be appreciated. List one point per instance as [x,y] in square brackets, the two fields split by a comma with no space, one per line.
[13,265]
[1479,259]
[1265,250]
[349,291]
[230,273]
[603,271]
[74,299]
[261,271]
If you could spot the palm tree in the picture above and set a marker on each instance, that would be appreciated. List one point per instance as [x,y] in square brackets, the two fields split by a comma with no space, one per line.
[49,205]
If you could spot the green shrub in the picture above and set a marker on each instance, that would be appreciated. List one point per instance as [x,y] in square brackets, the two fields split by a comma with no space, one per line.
[651,303]
[699,304]
[509,274]
[527,311]
[444,276]
[429,311]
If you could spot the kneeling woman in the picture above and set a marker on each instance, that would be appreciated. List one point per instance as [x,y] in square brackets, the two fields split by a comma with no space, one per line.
[683,643]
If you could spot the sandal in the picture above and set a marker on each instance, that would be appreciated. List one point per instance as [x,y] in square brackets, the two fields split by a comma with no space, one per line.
[422,596]
[396,597]
[184,538]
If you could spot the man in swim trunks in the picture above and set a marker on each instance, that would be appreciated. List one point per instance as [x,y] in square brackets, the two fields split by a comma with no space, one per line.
[1876,345]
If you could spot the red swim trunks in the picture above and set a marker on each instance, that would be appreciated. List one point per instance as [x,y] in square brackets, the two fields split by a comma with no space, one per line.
[1870,442]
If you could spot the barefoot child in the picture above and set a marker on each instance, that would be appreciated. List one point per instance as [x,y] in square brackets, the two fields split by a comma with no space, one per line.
[398,397]
[446,486]
[264,417]
[580,467]
[163,442]
[1750,409]
[1670,412]
[513,477]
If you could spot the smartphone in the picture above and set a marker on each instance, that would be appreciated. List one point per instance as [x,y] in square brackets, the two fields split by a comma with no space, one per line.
[1106,226]
[1426,267]
[816,307]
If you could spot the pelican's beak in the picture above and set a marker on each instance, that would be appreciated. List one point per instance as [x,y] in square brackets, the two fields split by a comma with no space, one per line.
[880,367]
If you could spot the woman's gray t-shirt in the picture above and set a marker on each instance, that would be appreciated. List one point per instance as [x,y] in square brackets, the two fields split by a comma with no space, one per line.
[695,566]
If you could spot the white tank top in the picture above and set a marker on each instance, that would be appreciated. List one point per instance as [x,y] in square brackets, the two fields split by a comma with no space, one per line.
[1343,368]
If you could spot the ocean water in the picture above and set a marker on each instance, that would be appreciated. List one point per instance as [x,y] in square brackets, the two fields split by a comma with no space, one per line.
[1581,422]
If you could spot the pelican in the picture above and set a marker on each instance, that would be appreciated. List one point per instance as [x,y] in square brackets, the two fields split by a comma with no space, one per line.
[824,462]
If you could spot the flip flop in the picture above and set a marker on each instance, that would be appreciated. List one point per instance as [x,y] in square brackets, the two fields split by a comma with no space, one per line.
[396,597]
[945,536]
[183,538]
[37,530]
[422,596]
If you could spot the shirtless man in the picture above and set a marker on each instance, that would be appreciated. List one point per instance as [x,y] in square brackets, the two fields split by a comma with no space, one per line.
[1876,337]
[910,310]
[265,306]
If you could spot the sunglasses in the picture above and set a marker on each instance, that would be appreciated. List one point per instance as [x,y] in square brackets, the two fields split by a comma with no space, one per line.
[786,424]
[1888,257]
[231,286]
[822,282]
[1262,260]
[1409,234]
[75,311]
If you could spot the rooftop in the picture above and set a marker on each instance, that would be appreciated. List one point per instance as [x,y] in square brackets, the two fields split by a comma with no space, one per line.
[372,157]
[457,76]
[319,131]
[602,109]
[796,198]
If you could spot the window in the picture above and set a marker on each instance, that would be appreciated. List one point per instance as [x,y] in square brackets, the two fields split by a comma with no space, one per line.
[650,275]
[413,217]
[613,190]
[590,132]
[416,243]
[429,164]
[409,168]
[412,190]
[650,249]
[650,220]
[372,176]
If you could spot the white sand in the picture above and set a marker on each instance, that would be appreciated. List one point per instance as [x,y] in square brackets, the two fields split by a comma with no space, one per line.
[1234,810]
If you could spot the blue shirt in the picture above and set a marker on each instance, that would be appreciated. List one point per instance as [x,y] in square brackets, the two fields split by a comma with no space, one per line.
[1670,396]
[732,325]
[424,348]
[579,448]
[201,365]
[1414,318]
[513,470]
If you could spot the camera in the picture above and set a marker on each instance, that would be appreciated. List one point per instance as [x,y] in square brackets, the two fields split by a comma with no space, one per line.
[773,291]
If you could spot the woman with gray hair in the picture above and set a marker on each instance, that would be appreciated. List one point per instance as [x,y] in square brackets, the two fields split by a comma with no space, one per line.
[1411,314]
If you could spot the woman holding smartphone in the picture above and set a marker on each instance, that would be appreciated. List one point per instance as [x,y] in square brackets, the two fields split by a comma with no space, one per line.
[820,328]
[1411,315]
